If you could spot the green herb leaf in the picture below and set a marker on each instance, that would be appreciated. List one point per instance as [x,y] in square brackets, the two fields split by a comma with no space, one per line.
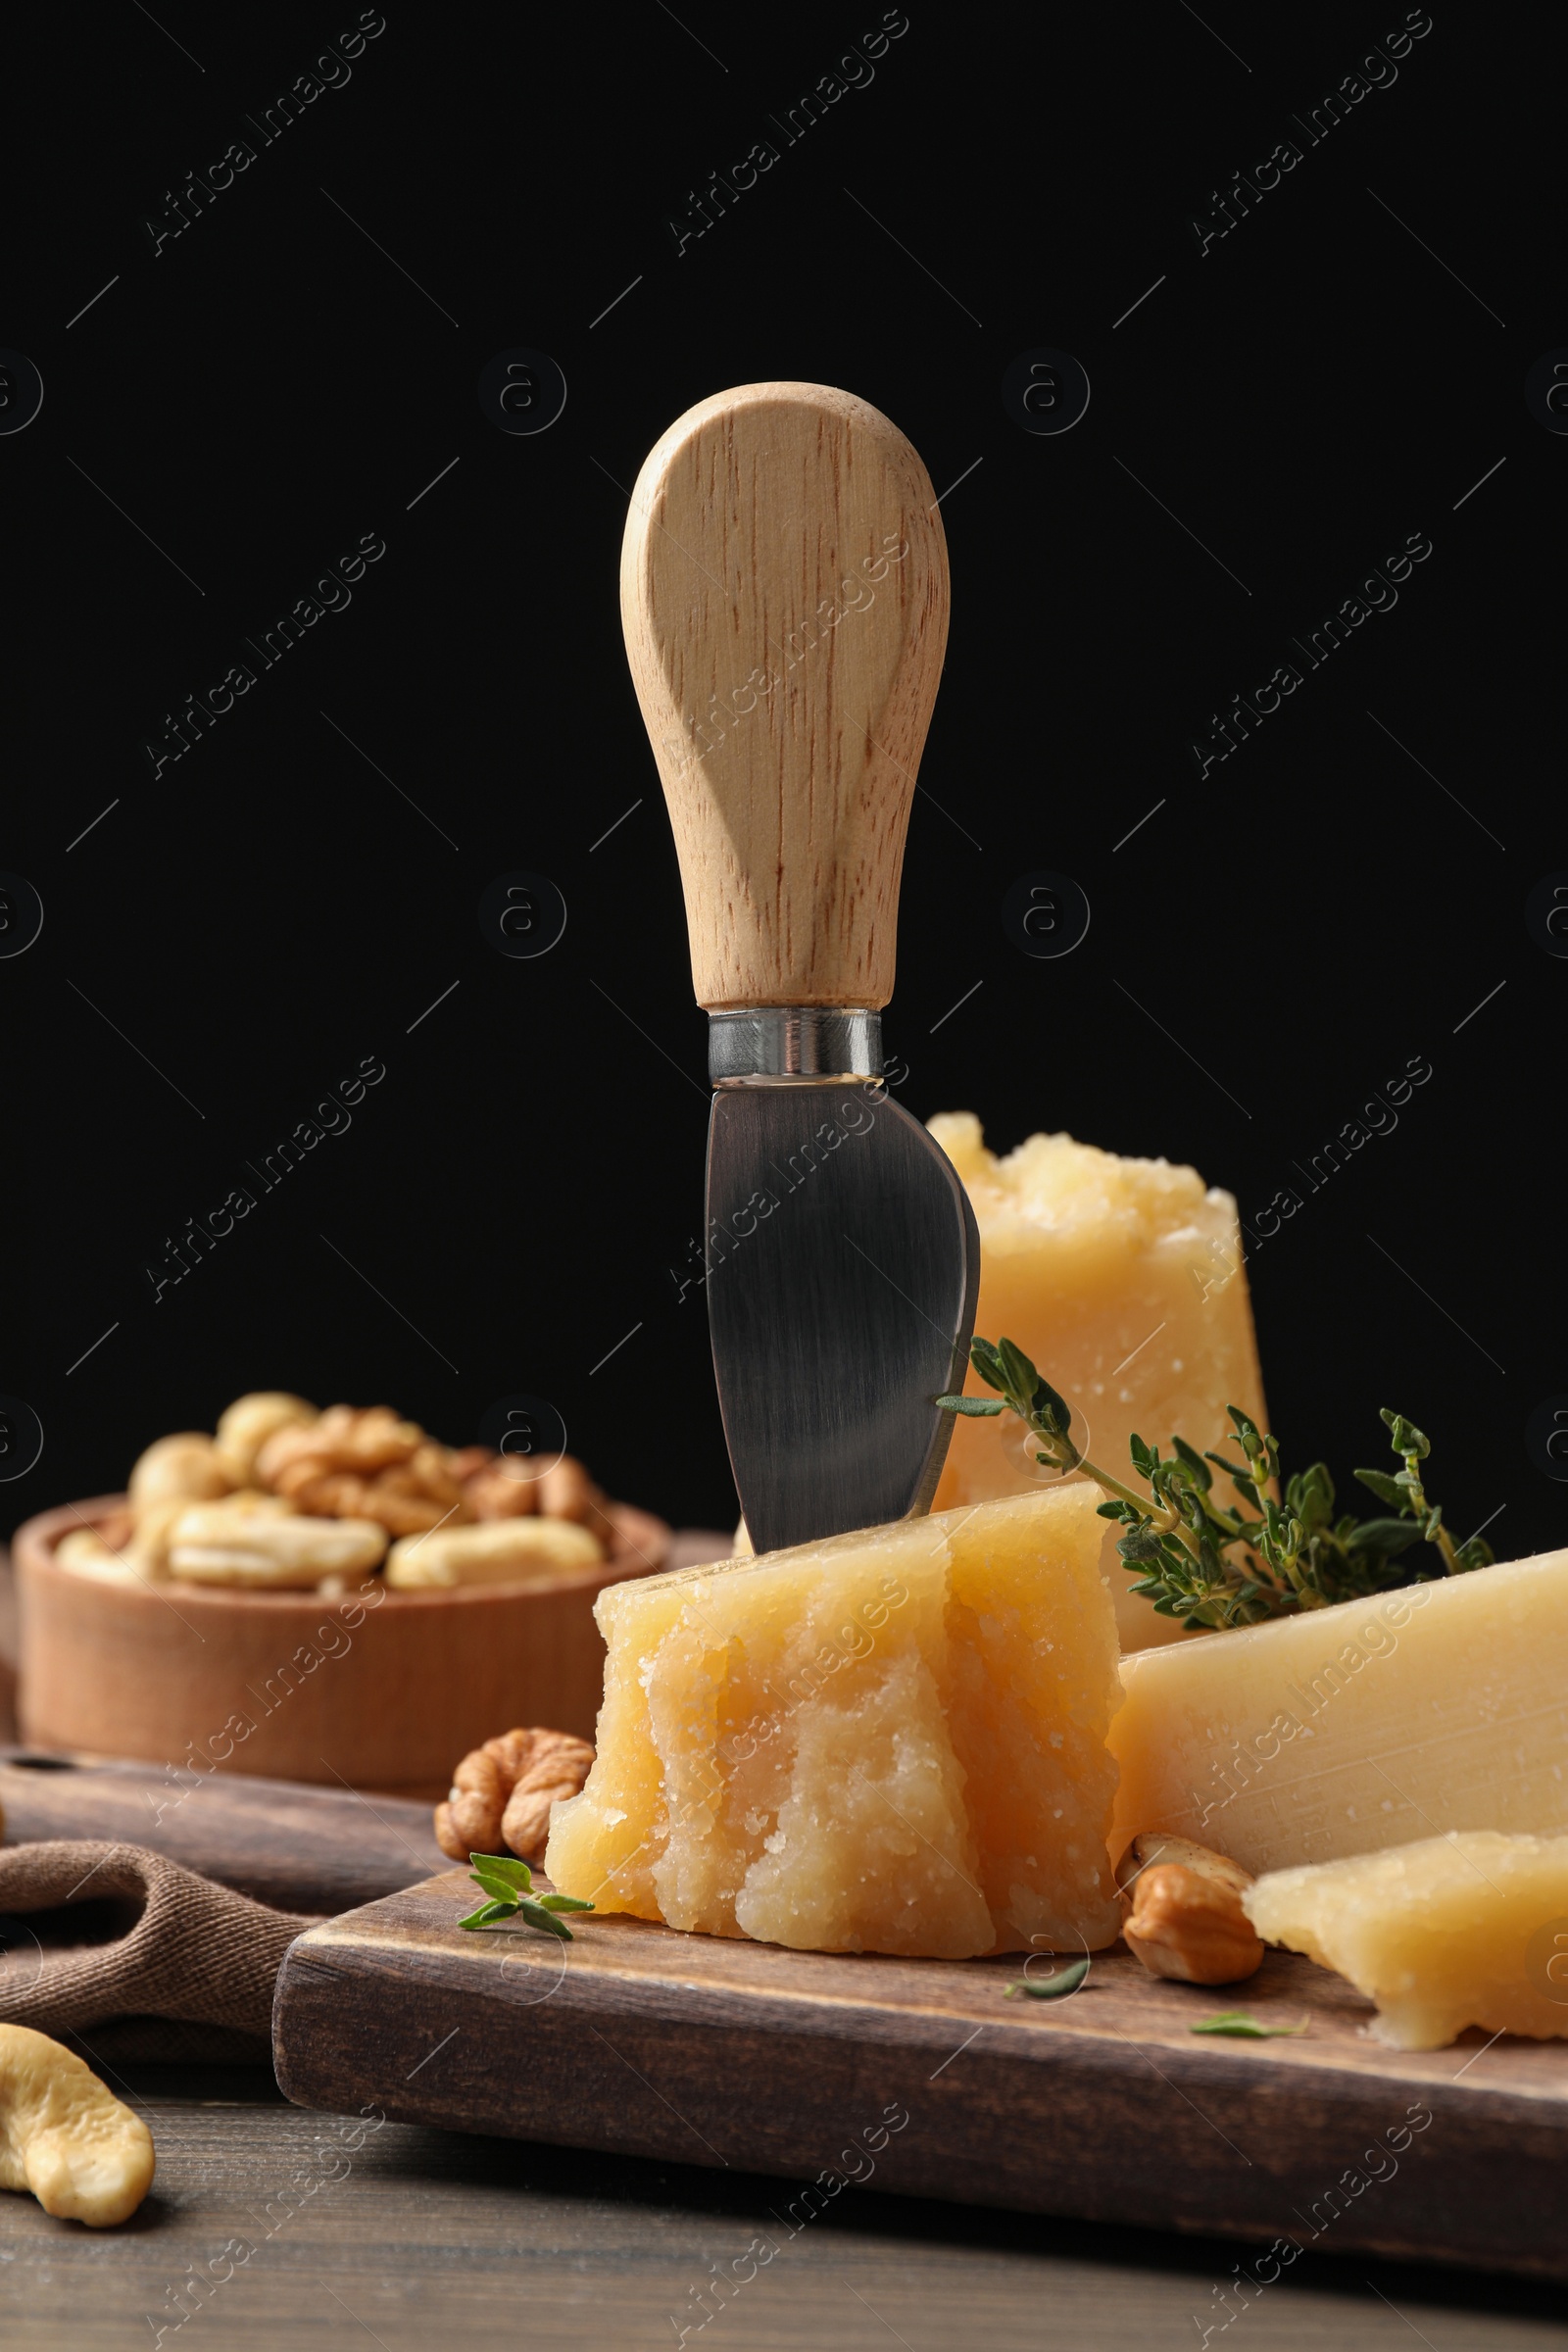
[1384,1486]
[974,1407]
[507,1881]
[1242,2027]
[538,1916]
[1138,1551]
[1049,1989]
[1202,1476]
[1384,1535]
[499,1891]
[503,1866]
[1404,1434]
[487,1915]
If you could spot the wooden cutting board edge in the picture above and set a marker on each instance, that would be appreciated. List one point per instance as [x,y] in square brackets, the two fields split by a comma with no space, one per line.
[627,2048]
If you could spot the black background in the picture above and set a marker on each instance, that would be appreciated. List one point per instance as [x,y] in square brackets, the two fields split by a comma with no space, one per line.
[269,911]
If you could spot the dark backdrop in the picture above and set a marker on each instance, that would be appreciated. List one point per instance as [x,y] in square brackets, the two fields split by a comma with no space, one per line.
[1287,931]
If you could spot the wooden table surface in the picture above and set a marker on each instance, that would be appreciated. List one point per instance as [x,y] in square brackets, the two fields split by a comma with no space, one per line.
[427,2241]
[430,2240]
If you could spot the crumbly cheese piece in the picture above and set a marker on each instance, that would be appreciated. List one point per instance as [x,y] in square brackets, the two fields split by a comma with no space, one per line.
[1124,1280]
[1437,1707]
[892,1741]
[1448,1933]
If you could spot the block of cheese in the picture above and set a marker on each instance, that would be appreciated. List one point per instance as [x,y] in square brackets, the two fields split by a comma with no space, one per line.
[1437,1707]
[1124,1281]
[892,1741]
[1448,1933]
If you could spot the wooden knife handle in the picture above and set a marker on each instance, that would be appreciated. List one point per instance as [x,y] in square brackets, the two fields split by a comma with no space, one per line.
[784,592]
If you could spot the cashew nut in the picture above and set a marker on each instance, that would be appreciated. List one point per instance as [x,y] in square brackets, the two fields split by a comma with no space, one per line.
[266,1545]
[63,2135]
[185,1466]
[247,1424]
[85,1553]
[497,1551]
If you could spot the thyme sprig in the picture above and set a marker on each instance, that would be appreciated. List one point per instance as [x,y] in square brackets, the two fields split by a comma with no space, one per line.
[1212,1564]
[508,1889]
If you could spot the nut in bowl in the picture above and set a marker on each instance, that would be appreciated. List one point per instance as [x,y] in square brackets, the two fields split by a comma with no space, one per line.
[320,1596]
[506,1550]
[286,1496]
[253,1547]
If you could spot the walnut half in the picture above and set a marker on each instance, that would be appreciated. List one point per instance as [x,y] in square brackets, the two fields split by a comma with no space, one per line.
[501,1794]
[1182,1911]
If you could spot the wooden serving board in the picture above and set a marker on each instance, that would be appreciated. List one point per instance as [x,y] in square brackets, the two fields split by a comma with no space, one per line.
[643,2041]
[298,1847]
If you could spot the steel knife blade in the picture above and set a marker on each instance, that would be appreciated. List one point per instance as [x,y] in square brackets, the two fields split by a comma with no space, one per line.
[843,1267]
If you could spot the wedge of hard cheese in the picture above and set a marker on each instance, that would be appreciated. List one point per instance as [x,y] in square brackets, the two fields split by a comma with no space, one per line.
[1448,1933]
[1124,1280]
[1437,1707]
[893,1741]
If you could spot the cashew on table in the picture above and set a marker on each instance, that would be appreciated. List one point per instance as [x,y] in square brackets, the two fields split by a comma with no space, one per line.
[83,2155]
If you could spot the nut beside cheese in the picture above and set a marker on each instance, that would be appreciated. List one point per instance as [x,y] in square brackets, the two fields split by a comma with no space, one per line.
[1124,1281]
[1182,1912]
[501,1794]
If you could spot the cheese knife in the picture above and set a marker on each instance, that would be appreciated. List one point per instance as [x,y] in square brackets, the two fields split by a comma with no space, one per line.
[784,593]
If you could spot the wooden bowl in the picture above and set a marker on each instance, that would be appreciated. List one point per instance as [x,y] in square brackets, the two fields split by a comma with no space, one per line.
[384,1697]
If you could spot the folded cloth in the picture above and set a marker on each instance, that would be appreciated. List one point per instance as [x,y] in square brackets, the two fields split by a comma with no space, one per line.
[92,1933]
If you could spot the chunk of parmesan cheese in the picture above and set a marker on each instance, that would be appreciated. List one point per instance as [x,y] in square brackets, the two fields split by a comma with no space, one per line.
[1124,1281]
[891,1741]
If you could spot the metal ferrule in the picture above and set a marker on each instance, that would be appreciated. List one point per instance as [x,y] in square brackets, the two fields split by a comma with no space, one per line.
[804,1044]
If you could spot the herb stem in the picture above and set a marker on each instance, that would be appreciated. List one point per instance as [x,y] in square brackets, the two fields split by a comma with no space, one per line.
[1294,1555]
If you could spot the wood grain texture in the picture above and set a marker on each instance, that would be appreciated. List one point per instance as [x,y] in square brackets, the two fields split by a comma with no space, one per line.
[640,2040]
[386,1693]
[296,1847]
[784,593]
[424,2241]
